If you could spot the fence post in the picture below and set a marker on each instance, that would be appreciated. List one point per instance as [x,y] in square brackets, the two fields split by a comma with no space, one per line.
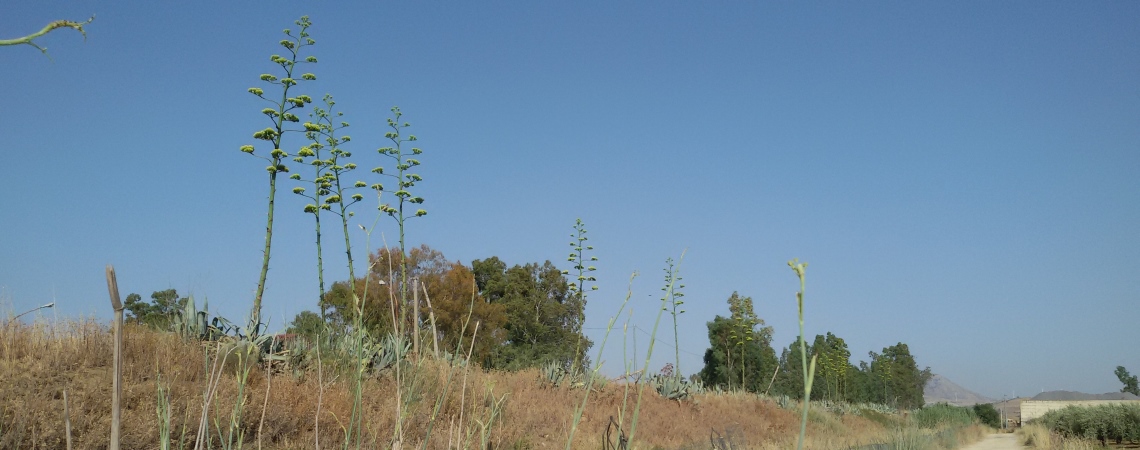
[117,327]
[416,318]
[66,419]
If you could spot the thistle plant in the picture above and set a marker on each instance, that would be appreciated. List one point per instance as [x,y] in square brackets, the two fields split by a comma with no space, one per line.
[673,298]
[280,115]
[578,283]
[329,192]
[809,372]
[405,180]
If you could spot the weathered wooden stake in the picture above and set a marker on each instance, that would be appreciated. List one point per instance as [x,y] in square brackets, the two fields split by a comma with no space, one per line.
[415,317]
[434,330]
[66,420]
[117,387]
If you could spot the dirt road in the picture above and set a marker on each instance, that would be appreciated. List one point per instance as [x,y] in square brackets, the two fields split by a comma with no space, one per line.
[1002,441]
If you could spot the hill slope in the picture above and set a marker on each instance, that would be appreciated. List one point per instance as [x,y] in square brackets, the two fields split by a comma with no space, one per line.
[941,390]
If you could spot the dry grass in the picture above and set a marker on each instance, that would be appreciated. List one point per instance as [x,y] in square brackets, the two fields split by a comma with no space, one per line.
[972,434]
[39,361]
[1039,437]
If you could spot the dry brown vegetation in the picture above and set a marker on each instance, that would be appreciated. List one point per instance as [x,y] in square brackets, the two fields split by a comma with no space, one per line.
[39,361]
[1039,437]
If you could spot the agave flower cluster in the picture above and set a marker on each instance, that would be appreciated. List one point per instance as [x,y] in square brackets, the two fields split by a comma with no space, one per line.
[329,162]
[404,163]
[280,114]
[578,290]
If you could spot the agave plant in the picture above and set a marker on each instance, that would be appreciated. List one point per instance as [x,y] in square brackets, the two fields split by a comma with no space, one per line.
[553,374]
[393,349]
[192,323]
[671,387]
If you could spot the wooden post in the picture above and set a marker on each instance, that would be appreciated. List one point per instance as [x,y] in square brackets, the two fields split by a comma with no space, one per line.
[66,420]
[117,327]
[434,330]
[415,317]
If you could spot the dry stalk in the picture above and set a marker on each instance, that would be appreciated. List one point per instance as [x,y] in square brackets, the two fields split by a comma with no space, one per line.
[66,419]
[773,380]
[211,391]
[416,318]
[268,383]
[466,367]
[320,396]
[434,331]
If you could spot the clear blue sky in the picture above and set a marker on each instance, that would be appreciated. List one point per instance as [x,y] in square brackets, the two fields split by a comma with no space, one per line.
[961,177]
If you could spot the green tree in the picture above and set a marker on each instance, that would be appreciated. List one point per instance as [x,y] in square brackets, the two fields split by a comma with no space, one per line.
[744,323]
[279,114]
[901,380]
[790,379]
[159,312]
[458,307]
[1129,380]
[307,324]
[988,414]
[724,360]
[382,310]
[540,314]
[834,365]
[861,386]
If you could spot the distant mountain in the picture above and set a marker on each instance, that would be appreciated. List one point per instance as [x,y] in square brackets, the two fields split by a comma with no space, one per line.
[1070,395]
[941,390]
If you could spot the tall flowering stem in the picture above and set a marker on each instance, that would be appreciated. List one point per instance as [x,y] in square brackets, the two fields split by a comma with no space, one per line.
[330,163]
[405,180]
[809,372]
[279,114]
[673,296]
[582,271]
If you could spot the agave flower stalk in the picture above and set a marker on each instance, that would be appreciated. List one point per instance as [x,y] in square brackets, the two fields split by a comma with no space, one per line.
[578,284]
[669,288]
[809,372]
[280,115]
[674,294]
[337,198]
[328,190]
[597,368]
[742,331]
[30,39]
[405,180]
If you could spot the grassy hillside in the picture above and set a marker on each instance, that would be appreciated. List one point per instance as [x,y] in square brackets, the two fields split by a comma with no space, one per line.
[40,361]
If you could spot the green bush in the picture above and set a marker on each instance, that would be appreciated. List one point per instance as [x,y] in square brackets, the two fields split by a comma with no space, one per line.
[943,414]
[988,414]
[1112,422]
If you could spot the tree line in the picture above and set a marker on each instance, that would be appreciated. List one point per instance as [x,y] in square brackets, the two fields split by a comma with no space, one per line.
[741,356]
[527,314]
[531,314]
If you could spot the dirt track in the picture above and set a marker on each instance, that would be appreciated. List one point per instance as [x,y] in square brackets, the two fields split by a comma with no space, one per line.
[1002,441]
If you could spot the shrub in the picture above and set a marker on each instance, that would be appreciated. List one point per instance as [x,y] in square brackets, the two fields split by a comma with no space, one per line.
[988,414]
[942,415]
[1112,422]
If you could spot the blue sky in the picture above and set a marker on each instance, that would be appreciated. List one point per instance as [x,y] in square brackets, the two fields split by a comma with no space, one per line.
[961,177]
